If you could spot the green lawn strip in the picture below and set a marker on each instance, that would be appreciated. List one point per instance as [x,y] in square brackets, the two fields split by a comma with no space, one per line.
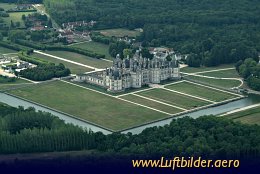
[200,69]
[95,47]
[250,119]
[245,113]
[250,116]
[97,108]
[232,73]
[75,69]
[152,104]
[216,82]
[174,98]
[98,63]
[201,91]
[120,32]
[17,82]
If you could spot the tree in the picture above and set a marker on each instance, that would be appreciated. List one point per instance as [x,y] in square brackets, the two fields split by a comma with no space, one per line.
[16,34]
[193,60]
[146,53]
[127,52]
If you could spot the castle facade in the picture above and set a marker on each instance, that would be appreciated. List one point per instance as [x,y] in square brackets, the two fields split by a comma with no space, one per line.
[134,72]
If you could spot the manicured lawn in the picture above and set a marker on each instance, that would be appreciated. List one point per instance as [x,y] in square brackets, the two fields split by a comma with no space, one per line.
[216,82]
[120,32]
[174,98]
[152,104]
[75,69]
[4,50]
[251,116]
[232,73]
[95,47]
[16,17]
[98,63]
[200,69]
[98,108]
[201,91]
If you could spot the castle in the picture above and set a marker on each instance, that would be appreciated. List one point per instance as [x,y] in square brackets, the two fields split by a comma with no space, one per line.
[134,72]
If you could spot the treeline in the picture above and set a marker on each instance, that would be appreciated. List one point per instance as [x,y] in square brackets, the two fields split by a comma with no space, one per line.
[45,72]
[14,46]
[59,48]
[250,71]
[31,59]
[213,32]
[27,131]
[4,79]
[97,37]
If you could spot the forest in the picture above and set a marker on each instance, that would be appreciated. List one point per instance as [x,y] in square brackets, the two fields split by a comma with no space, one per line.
[27,131]
[213,32]
[250,71]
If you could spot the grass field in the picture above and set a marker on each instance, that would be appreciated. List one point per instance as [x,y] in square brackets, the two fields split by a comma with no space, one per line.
[7,6]
[152,104]
[16,17]
[4,86]
[216,82]
[251,116]
[95,47]
[200,69]
[174,98]
[98,63]
[6,50]
[75,69]
[98,108]
[120,32]
[201,91]
[232,73]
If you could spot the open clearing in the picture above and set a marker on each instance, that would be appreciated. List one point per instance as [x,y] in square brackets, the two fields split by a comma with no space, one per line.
[120,32]
[7,6]
[75,69]
[16,17]
[98,63]
[201,91]
[174,98]
[85,104]
[95,47]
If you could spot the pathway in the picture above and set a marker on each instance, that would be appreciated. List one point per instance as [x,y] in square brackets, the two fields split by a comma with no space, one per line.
[240,109]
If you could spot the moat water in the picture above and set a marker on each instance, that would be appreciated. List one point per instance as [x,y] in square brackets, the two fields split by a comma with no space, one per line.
[250,100]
